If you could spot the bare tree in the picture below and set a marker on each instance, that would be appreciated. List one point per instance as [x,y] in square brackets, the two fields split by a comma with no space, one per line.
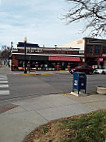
[93,12]
[5,52]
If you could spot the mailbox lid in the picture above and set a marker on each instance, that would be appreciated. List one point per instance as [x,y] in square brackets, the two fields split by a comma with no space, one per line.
[79,74]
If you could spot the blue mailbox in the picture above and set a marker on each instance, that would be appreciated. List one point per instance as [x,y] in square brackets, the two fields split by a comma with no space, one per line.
[79,81]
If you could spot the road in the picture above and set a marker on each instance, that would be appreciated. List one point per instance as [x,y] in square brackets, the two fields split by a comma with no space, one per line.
[24,86]
[19,87]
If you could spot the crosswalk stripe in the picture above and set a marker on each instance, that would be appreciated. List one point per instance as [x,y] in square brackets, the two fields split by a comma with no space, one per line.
[3,82]
[4,92]
[1,78]
[4,86]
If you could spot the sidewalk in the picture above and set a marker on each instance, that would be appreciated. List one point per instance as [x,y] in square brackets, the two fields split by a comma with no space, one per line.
[6,70]
[16,123]
[37,72]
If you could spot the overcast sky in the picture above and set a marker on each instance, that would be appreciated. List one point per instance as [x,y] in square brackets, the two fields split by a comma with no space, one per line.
[38,20]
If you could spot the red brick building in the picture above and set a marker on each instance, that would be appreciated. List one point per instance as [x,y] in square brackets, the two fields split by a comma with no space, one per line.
[88,51]
[43,58]
[94,50]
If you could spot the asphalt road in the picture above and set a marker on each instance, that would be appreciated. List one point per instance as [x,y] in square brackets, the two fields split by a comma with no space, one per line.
[24,86]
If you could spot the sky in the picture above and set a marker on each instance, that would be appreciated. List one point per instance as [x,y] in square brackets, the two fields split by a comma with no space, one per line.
[41,21]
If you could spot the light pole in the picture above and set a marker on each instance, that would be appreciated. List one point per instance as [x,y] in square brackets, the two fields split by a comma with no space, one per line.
[25,41]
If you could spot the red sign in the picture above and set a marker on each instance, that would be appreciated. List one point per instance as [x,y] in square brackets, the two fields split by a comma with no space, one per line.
[101,59]
[62,58]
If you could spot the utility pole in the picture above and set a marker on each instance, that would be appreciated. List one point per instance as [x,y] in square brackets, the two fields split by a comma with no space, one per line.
[25,41]
[11,45]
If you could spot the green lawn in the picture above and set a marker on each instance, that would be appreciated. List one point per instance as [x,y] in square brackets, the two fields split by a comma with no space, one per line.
[88,128]
[82,128]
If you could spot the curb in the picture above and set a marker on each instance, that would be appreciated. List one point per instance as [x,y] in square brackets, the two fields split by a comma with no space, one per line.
[32,73]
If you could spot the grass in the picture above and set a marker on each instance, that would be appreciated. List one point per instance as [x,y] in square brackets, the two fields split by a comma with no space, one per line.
[90,128]
[82,128]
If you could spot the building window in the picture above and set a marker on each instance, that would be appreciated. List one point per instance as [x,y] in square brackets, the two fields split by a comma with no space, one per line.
[89,48]
[97,49]
[20,63]
[104,49]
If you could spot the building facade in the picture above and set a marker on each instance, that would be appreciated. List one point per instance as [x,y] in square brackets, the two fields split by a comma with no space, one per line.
[43,58]
[88,51]
[94,51]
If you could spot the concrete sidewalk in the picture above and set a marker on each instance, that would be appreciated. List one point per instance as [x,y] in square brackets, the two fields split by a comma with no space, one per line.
[6,70]
[38,72]
[16,123]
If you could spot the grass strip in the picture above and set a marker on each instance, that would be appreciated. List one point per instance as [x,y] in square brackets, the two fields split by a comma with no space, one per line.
[81,128]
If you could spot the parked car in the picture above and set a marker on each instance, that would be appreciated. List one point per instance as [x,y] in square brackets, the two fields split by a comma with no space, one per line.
[100,71]
[86,69]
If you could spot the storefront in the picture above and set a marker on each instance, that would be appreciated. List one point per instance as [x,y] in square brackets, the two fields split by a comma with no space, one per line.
[94,50]
[45,62]
[88,51]
[42,58]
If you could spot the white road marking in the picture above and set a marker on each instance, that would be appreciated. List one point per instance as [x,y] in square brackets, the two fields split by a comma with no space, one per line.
[3,82]
[4,86]
[3,78]
[4,92]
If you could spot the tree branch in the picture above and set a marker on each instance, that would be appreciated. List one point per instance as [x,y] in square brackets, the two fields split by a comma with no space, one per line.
[90,10]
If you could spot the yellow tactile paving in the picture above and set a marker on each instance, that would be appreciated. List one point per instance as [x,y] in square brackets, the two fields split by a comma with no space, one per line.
[66,94]
[32,73]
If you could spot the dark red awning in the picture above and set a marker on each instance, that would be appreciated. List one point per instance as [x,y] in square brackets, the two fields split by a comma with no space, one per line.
[62,58]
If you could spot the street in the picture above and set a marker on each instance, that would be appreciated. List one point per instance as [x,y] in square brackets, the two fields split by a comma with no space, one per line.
[23,86]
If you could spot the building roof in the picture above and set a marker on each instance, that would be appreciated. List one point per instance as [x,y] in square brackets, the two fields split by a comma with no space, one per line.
[95,41]
[81,43]
[74,44]
[22,44]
